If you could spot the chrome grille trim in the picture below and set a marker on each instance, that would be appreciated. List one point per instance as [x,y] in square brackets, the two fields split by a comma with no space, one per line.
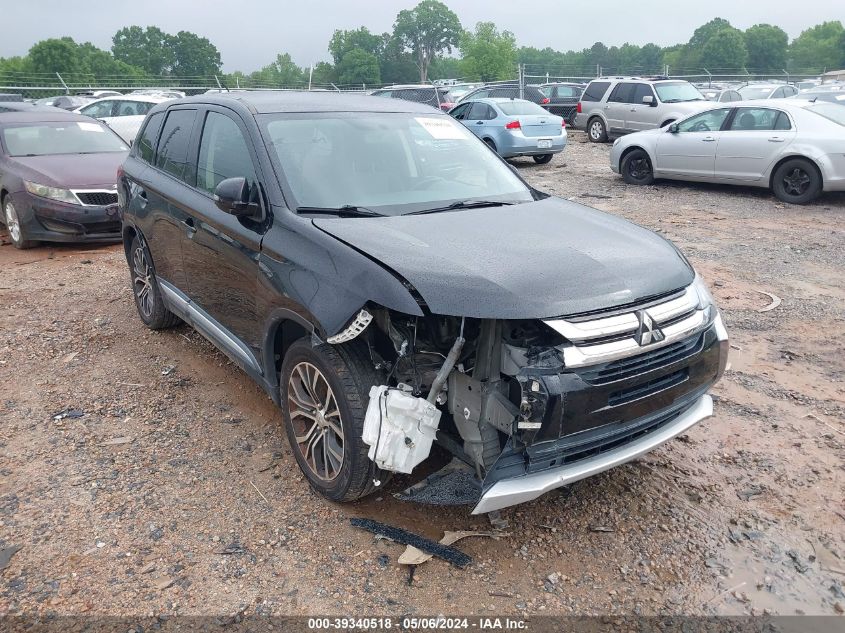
[587,347]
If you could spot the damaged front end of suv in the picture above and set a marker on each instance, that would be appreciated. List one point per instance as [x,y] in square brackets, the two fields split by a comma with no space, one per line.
[533,404]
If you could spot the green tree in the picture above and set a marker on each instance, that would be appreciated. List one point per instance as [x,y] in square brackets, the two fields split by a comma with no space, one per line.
[651,58]
[343,42]
[194,56]
[282,72]
[396,64]
[427,30]
[725,50]
[56,56]
[817,48]
[767,46]
[488,55]
[359,67]
[150,49]
[324,74]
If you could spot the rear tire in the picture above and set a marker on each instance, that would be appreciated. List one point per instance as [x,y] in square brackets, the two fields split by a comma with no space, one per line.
[16,232]
[797,181]
[542,159]
[596,130]
[489,142]
[145,289]
[323,389]
[636,168]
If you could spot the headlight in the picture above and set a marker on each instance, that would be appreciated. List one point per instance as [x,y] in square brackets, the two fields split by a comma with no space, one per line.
[53,193]
[705,299]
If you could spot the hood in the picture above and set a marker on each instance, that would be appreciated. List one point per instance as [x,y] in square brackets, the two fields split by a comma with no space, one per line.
[71,171]
[536,260]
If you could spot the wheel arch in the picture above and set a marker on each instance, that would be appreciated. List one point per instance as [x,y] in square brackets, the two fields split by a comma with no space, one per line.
[129,233]
[782,160]
[285,327]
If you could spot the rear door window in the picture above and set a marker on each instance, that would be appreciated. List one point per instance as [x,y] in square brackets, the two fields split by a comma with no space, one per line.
[146,143]
[622,93]
[595,91]
[757,120]
[174,142]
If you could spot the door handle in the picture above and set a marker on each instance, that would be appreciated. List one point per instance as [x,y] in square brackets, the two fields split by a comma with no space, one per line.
[633,109]
[479,122]
[776,139]
[708,139]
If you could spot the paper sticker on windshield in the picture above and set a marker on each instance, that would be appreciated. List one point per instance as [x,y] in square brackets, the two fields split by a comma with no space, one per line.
[442,129]
[89,127]
[840,97]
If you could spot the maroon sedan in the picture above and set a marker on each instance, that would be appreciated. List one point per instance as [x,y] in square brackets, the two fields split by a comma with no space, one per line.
[57,176]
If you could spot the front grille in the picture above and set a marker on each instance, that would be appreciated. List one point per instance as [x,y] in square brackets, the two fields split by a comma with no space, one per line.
[97,198]
[648,388]
[642,363]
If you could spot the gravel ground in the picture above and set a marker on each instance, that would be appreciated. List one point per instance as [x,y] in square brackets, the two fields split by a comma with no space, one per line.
[143,474]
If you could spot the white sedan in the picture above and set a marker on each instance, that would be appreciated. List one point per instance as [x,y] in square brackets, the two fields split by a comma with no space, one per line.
[124,114]
[794,147]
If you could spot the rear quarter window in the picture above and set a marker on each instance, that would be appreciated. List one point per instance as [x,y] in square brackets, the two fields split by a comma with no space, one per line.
[595,91]
[145,145]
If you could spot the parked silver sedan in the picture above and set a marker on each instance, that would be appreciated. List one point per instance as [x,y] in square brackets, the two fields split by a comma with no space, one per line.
[793,147]
[514,127]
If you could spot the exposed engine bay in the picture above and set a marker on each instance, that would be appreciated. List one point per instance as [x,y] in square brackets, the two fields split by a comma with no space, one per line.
[483,378]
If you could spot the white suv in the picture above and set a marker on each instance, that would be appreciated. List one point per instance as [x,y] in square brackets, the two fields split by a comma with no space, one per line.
[614,106]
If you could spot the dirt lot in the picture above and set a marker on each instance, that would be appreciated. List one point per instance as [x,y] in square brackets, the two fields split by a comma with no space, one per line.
[175,491]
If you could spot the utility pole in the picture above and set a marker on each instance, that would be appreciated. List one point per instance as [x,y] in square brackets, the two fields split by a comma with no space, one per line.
[310,76]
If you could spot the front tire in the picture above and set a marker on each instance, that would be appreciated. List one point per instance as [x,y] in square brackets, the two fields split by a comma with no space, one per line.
[636,168]
[596,130]
[797,181]
[145,289]
[13,225]
[543,159]
[325,391]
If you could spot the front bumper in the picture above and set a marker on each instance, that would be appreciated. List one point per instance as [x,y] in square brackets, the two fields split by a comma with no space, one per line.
[603,415]
[514,491]
[46,220]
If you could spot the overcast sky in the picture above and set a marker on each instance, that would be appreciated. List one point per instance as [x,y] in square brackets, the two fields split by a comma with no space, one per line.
[249,33]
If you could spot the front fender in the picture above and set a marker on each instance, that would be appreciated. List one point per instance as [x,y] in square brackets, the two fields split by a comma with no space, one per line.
[324,280]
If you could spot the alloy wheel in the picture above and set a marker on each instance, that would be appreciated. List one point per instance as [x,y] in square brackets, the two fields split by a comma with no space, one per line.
[316,421]
[639,168]
[596,130]
[142,281]
[12,223]
[796,182]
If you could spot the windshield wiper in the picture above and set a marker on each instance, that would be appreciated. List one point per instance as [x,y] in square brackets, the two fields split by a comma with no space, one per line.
[346,211]
[464,204]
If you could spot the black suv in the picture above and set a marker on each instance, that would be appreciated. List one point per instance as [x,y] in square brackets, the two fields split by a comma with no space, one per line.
[391,282]
[563,99]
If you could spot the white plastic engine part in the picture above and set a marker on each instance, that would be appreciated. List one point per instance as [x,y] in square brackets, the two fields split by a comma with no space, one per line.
[399,428]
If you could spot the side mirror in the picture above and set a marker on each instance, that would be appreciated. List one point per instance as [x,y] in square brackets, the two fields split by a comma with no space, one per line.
[674,128]
[649,100]
[232,196]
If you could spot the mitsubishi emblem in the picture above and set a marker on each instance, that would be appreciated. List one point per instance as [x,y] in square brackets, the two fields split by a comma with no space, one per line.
[647,333]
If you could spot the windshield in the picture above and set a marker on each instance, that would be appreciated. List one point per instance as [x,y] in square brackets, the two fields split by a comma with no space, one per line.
[61,137]
[389,163]
[755,92]
[675,92]
[831,111]
[515,108]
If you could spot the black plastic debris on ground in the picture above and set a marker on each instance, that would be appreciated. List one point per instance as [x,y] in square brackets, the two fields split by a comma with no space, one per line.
[68,413]
[452,487]
[451,555]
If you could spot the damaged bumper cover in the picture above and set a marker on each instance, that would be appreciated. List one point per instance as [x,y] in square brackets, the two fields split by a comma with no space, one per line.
[610,435]
[510,492]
